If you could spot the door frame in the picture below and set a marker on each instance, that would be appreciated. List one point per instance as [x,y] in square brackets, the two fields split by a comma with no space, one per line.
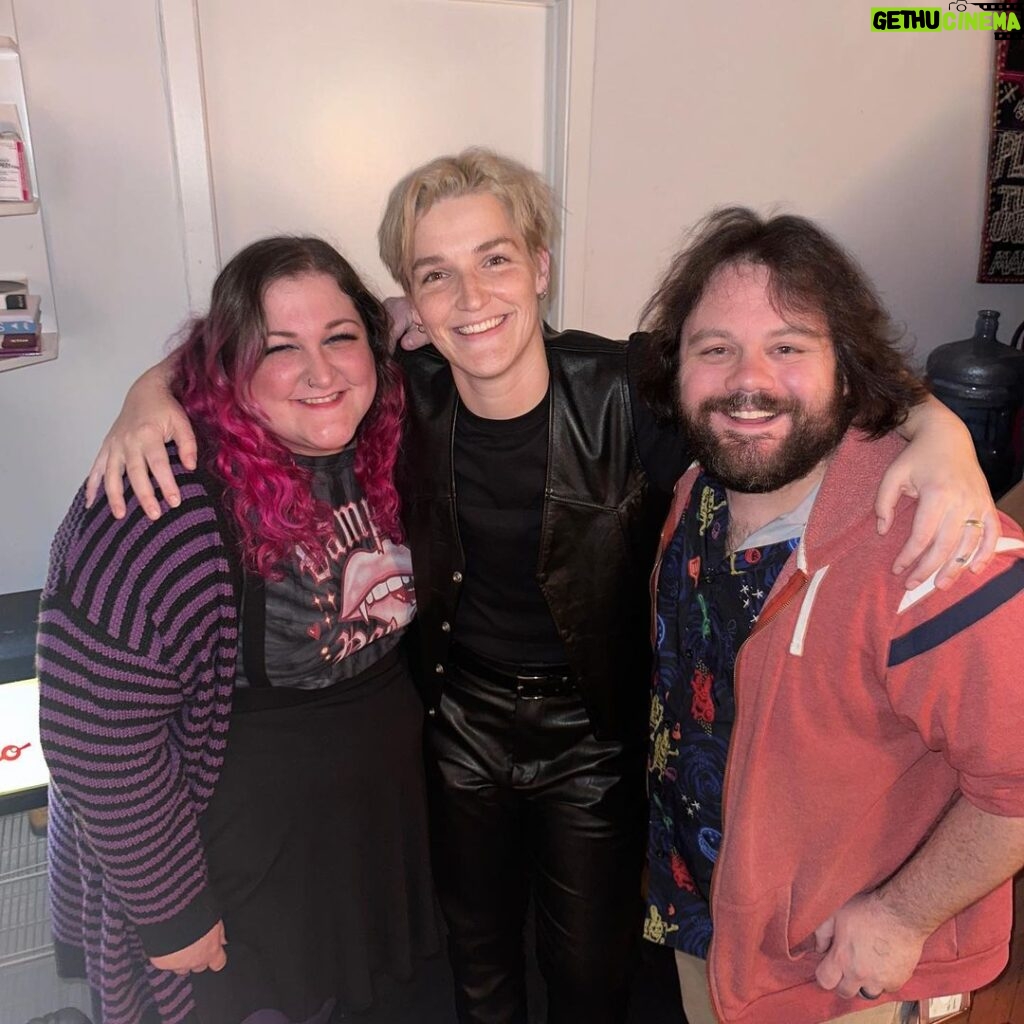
[569,78]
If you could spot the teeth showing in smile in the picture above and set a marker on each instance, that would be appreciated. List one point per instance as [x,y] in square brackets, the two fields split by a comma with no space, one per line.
[320,401]
[751,414]
[484,325]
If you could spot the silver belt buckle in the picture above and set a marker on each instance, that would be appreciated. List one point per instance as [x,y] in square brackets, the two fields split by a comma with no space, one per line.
[521,682]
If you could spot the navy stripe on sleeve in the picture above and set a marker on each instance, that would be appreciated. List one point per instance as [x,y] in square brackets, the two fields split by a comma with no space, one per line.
[958,618]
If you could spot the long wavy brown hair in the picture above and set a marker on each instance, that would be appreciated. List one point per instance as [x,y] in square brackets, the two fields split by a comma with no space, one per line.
[808,273]
[268,493]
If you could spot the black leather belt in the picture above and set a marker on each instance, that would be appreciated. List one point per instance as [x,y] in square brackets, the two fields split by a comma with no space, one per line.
[531,682]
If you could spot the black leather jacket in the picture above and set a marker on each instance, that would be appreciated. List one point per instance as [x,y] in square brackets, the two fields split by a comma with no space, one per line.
[599,529]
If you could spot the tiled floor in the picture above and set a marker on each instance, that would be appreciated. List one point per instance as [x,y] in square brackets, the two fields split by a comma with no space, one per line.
[29,986]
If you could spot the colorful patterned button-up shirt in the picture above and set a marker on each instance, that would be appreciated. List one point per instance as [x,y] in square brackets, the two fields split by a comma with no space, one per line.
[707,604]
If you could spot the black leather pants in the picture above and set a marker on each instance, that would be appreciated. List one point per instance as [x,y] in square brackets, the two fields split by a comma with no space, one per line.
[524,797]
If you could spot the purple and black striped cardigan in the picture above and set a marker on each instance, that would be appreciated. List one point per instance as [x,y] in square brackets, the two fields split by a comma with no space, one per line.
[136,660]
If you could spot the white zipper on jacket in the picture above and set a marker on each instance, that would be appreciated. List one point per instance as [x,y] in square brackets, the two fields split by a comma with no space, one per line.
[796,646]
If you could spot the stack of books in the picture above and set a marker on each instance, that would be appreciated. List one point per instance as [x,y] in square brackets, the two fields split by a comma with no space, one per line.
[20,331]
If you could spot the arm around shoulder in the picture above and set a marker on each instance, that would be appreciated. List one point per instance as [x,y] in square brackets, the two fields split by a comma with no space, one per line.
[135,445]
[955,522]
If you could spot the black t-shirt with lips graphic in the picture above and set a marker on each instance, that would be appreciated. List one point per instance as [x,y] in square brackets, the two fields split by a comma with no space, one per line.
[329,620]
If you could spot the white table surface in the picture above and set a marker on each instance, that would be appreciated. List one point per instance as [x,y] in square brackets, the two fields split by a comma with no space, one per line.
[21,756]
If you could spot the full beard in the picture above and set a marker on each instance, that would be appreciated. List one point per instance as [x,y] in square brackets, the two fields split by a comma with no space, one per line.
[740,461]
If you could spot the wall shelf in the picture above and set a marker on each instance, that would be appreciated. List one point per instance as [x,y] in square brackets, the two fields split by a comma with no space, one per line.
[23,249]
[18,209]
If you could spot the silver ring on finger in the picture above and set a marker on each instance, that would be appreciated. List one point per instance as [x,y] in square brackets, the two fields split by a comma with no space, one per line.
[865,994]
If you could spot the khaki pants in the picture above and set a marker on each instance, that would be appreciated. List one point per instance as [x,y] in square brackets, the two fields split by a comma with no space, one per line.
[693,985]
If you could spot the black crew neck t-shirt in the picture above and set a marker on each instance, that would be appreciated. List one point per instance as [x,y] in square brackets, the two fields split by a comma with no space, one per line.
[500,469]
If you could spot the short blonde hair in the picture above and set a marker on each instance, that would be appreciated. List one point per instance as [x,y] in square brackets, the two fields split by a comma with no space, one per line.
[526,196]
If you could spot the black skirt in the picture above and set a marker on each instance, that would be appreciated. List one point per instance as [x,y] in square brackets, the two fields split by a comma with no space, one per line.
[316,841]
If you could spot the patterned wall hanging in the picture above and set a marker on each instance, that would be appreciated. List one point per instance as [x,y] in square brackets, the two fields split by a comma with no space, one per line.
[1002,240]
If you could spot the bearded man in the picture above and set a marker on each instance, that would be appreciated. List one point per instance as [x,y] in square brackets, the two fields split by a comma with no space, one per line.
[836,773]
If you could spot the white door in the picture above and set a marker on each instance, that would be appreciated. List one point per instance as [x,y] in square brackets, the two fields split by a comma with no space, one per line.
[315,108]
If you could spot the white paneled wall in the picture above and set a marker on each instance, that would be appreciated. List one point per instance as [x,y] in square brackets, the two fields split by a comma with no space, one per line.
[99,126]
[797,102]
[794,104]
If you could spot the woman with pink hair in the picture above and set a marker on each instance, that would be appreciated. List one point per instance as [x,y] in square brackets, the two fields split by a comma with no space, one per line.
[227,713]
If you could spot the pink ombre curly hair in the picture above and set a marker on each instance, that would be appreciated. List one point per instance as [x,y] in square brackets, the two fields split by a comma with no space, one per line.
[268,495]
